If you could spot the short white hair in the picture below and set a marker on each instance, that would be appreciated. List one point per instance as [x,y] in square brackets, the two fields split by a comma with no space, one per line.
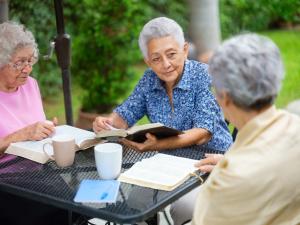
[249,68]
[13,37]
[157,28]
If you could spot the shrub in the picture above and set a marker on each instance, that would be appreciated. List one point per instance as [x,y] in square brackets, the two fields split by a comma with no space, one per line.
[39,17]
[249,15]
[104,49]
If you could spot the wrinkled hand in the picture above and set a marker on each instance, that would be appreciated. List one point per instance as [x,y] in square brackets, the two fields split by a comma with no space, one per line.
[207,164]
[38,131]
[148,145]
[100,123]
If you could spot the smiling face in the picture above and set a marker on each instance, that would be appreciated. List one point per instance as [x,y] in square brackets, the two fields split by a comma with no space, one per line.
[166,58]
[16,72]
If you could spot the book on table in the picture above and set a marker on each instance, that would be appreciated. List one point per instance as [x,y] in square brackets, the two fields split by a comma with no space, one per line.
[33,150]
[138,133]
[162,172]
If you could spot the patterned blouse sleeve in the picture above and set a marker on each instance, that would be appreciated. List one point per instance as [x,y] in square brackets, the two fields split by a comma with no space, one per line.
[134,107]
[207,111]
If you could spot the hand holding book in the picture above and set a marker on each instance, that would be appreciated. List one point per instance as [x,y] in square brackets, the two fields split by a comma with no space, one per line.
[138,133]
[151,143]
[33,150]
[102,123]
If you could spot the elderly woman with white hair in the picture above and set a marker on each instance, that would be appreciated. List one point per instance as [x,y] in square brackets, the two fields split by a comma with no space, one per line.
[256,182]
[21,110]
[174,91]
[22,118]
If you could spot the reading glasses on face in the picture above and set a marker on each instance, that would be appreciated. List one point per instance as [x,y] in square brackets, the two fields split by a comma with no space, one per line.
[21,64]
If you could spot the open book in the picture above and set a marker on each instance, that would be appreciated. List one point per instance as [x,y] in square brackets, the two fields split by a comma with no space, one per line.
[33,150]
[138,133]
[163,172]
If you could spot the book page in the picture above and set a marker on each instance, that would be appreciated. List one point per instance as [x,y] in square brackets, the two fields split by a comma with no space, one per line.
[35,146]
[33,150]
[112,133]
[161,171]
[143,127]
[148,172]
[80,135]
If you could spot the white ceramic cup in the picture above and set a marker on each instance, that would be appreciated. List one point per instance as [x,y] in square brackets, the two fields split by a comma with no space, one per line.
[108,157]
[63,150]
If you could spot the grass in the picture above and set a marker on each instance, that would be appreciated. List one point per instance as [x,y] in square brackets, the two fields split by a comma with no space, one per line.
[287,40]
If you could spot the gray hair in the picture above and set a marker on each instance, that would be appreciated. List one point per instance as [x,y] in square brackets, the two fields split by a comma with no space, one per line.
[157,28]
[249,68]
[13,37]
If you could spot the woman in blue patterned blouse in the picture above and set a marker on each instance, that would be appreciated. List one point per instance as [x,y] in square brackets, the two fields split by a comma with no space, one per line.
[174,91]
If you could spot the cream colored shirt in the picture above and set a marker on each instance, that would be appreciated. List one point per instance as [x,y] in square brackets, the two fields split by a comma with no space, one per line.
[258,181]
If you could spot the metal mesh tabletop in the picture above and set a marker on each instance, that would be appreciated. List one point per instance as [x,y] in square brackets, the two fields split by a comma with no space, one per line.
[58,186]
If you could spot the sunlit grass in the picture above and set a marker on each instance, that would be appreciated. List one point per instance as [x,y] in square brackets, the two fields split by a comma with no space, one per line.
[289,43]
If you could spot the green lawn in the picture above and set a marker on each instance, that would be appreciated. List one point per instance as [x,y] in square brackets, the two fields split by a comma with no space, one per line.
[289,44]
[287,40]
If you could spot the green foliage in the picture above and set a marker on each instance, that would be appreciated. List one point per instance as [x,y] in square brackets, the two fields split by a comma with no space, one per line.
[38,16]
[175,9]
[104,38]
[250,15]
[104,48]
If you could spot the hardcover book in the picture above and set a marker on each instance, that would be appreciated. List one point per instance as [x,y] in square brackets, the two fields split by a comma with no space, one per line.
[162,172]
[138,133]
[33,150]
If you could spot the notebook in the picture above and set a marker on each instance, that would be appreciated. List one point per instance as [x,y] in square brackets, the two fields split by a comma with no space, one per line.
[97,191]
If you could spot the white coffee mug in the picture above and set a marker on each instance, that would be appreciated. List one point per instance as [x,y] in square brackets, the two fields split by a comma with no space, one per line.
[63,150]
[108,157]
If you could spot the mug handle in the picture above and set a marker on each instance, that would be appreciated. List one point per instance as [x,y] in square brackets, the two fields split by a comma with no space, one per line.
[50,156]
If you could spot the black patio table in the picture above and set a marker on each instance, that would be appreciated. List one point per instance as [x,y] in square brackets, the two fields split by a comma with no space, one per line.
[57,186]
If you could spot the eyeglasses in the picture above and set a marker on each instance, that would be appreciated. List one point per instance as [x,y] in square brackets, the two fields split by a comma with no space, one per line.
[21,64]
[159,59]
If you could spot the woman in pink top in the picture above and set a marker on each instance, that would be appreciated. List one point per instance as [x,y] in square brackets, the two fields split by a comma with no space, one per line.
[21,110]
[21,118]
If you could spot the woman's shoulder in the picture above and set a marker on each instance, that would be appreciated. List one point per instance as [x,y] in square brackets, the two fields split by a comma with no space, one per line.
[196,65]
[31,84]
[148,78]
[32,80]
[198,72]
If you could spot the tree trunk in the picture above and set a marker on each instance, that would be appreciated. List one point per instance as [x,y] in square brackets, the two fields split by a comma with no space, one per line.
[3,10]
[205,26]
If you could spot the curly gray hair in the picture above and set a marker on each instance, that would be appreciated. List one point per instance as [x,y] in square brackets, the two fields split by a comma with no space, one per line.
[157,28]
[13,37]
[249,68]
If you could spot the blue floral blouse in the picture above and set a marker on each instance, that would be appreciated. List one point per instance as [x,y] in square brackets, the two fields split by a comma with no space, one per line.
[194,105]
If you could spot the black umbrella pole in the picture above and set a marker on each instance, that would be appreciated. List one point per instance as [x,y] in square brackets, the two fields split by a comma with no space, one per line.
[63,53]
[67,97]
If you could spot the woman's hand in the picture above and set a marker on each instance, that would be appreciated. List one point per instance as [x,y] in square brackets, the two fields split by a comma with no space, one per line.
[33,132]
[207,164]
[37,131]
[102,123]
[148,145]
[55,121]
